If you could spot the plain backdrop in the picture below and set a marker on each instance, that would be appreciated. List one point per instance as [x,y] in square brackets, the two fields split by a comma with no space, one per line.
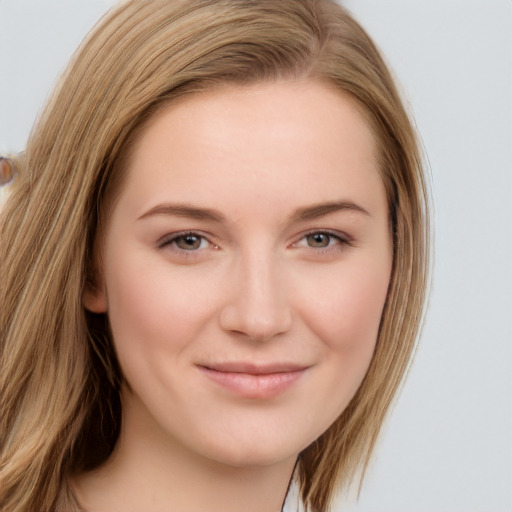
[447,446]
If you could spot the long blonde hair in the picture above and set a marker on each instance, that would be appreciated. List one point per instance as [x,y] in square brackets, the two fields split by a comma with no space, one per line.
[59,378]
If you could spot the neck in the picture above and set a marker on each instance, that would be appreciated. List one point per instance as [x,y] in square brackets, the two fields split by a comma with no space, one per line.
[151,471]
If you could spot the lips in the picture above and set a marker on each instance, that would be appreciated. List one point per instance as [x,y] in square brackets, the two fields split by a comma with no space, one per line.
[249,380]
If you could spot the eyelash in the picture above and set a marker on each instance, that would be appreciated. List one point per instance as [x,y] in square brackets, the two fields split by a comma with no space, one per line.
[170,240]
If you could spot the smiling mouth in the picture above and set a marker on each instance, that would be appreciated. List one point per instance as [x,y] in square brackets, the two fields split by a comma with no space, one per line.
[251,381]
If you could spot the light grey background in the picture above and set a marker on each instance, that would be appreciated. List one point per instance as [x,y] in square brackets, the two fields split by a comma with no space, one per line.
[447,447]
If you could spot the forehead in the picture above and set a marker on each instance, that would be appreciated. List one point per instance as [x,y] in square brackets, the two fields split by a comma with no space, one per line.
[276,140]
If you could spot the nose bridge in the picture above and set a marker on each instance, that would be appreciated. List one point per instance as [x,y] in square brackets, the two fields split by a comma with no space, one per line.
[258,305]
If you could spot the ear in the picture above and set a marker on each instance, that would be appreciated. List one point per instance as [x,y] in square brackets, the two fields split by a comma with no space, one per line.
[94,298]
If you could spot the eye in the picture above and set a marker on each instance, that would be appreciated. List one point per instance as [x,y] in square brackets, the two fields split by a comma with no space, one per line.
[188,242]
[319,240]
[322,241]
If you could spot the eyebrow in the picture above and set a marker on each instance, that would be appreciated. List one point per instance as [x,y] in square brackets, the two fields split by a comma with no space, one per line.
[302,214]
[323,209]
[186,211]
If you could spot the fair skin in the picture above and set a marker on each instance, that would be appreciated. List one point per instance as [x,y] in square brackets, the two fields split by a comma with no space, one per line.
[244,269]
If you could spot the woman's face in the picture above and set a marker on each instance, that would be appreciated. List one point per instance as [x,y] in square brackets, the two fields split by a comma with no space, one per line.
[245,267]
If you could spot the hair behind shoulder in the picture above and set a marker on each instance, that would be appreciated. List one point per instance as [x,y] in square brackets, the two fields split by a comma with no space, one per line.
[59,377]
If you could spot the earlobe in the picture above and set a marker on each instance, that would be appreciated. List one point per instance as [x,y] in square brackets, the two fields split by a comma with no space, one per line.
[94,299]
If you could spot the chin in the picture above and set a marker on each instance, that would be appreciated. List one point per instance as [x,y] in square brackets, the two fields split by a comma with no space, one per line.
[249,457]
[258,450]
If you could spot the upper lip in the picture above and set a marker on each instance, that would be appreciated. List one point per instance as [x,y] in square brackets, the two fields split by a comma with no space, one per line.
[255,369]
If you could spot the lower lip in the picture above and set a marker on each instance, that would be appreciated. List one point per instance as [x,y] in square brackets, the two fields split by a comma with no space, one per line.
[248,385]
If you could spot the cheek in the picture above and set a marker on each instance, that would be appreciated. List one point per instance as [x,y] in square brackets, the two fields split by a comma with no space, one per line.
[342,309]
[345,314]
[153,311]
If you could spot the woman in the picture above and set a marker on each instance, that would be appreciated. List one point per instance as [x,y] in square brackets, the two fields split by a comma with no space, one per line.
[213,263]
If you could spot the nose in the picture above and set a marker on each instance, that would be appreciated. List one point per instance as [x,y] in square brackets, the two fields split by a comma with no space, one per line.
[257,306]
